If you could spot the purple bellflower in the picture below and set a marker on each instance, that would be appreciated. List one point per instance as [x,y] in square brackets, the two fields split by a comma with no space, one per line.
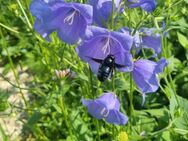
[100,42]
[145,75]
[68,19]
[147,5]
[103,10]
[145,38]
[106,107]
[151,39]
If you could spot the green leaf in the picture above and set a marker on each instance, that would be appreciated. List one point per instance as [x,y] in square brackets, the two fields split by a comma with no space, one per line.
[186,1]
[34,118]
[183,40]
[179,112]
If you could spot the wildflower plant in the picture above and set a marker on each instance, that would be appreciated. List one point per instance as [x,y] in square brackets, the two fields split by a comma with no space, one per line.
[93,30]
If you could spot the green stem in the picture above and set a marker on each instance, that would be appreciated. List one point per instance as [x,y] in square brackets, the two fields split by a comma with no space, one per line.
[64,111]
[112,15]
[13,69]
[25,15]
[139,24]
[9,28]
[91,83]
[131,96]
[171,83]
[98,131]
[176,3]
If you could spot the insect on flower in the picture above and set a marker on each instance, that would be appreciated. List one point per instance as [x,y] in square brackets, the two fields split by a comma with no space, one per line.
[106,67]
[100,44]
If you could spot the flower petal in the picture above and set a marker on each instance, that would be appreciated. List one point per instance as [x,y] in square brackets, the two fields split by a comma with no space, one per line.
[116,117]
[160,65]
[103,10]
[151,40]
[145,74]
[94,108]
[86,11]
[68,19]
[125,39]
[147,5]
[110,101]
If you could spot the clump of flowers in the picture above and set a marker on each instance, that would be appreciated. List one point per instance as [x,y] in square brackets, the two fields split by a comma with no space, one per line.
[75,22]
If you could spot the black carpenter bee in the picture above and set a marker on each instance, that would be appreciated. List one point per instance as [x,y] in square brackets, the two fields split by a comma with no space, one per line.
[106,67]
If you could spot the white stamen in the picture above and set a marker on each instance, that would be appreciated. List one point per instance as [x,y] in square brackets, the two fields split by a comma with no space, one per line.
[106,47]
[70,18]
[46,1]
[104,112]
[44,35]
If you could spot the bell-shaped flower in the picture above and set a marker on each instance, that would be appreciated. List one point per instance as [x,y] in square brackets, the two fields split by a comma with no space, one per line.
[151,39]
[68,19]
[103,10]
[145,75]
[99,43]
[147,5]
[106,107]
[145,38]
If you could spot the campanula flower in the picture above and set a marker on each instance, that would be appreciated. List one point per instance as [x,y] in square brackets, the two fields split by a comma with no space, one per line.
[100,42]
[106,107]
[68,19]
[145,74]
[151,39]
[145,38]
[147,5]
[136,36]
[103,10]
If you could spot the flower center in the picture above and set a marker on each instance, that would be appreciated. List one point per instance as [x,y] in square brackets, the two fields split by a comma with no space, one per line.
[104,112]
[70,18]
[106,47]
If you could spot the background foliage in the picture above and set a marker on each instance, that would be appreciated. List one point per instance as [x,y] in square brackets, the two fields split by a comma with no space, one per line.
[54,112]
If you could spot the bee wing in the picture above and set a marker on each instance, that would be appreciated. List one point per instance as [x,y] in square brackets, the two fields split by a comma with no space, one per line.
[119,66]
[97,60]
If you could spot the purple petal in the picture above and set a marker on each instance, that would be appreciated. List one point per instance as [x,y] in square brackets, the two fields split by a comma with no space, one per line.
[145,74]
[125,39]
[68,19]
[100,43]
[110,101]
[42,29]
[93,31]
[94,108]
[136,37]
[116,117]
[124,58]
[72,33]
[150,39]
[103,10]
[160,65]
[86,11]
[147,5]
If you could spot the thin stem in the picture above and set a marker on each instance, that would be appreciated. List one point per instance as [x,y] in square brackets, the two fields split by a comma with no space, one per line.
[9,28]
[176,3]
[64,111]
[139,24]
[171,84]
[91,83]
[13,69]
[98,131]
[112,15]
[131,96]
[27,20]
